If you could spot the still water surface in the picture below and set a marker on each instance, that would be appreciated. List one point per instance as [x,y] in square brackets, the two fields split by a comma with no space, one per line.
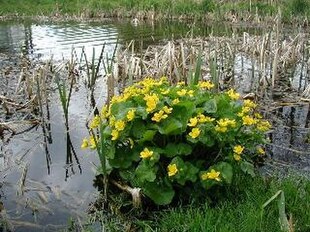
[48,200]
[37,194]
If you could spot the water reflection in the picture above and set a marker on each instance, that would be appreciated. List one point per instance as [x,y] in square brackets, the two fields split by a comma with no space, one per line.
[46,39]
[290,139]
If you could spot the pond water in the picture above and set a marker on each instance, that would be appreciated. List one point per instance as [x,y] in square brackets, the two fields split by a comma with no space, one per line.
[39,190]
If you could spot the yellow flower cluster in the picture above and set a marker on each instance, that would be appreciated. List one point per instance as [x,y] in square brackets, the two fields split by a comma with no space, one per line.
[224,123]
[95,122]
[175,101]
[248,120]
[172,169]
[89,143]
[205,85]
[249,103]
[162,114]
[238,149]
[104,113]
[146,153]
[204,119]
[212,175]
[244,110]
[233,95]
[263,125]
[182,92]
[151,102]
[200,118]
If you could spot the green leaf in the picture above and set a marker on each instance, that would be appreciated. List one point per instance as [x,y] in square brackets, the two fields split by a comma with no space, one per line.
[170,126]
[138,129]
[161,193]
[247,168]
[176,123]
[147,136]
[186,171]
[210,106]
[120,109]
[140,110]
[145,172]
[174,149]
[124,157]
[206,139]
[226,171]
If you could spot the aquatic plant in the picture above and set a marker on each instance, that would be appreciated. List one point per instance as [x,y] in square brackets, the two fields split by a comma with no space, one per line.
[167,139]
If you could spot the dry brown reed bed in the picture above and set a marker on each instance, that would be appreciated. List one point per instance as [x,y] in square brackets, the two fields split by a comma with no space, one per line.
[266,62]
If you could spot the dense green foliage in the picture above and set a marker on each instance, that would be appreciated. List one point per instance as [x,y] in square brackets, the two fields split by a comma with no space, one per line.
[169,139]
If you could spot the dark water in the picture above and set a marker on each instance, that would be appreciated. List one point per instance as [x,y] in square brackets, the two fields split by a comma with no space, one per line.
[54,191]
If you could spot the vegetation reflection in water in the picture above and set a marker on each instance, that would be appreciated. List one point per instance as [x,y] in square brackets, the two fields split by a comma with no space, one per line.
[113,81]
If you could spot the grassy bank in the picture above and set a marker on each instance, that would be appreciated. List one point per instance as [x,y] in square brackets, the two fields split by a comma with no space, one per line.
[238,208]
[228,9]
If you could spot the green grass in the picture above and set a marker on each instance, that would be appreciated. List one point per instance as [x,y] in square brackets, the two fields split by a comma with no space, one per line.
[237,208]
[164,8]
[240,209]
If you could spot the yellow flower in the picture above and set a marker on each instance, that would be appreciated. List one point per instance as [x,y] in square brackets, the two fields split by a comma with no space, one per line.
[92,142]
[212,175]
[146,153]
[167,110]
[263,125]
[104,113]
[248,120]
[175,101]
[159,116]
[120,125]
[222,123]
[95,122]
[238,149]
[233,95]
[249,103]
[190,93]
[172,169]
[258,115]
[165,92]
[193,122]
[151,102]
[180,83]
[261,151]
[131,115]
[221,129]
[206,84]
[182,92]
[115,134]
[202,118]
[244,110]
[84,143]
[237,157]
[195,132]
[225,122]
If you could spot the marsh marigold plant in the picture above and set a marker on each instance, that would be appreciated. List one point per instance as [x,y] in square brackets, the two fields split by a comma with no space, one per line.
[167,138]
